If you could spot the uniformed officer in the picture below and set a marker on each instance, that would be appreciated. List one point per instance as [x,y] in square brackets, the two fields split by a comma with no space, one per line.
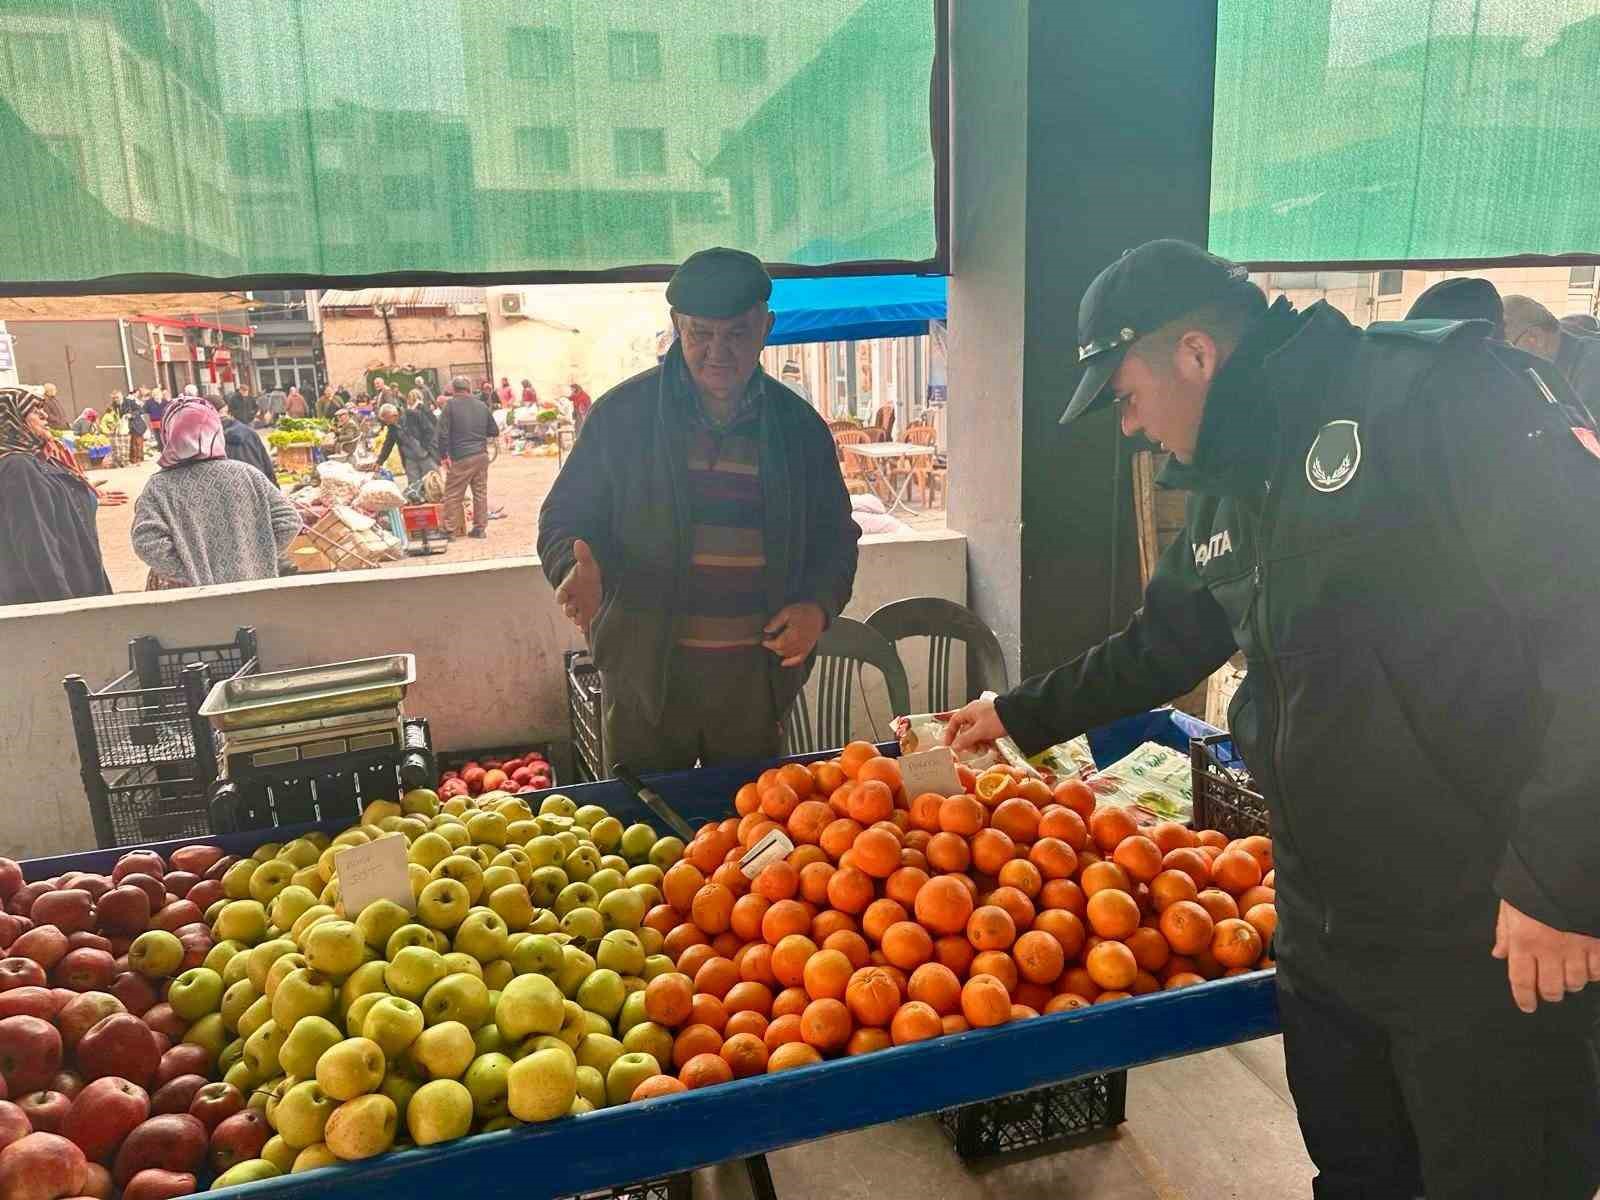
[1397,527]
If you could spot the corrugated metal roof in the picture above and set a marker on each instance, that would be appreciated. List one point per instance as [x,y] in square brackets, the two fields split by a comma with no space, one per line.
[403,297]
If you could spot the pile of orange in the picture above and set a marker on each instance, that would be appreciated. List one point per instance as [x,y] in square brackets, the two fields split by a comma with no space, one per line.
[899,918]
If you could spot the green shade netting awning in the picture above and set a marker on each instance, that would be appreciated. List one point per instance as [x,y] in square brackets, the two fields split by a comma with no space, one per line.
[274,137]
[1392,130]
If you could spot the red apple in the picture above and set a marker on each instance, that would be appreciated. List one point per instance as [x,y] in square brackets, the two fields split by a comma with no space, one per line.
[152,1184]
[85,939]
[179,882]
[124,909]
[178,1095]
[83,1012]
[10,928]
[86,970]
[163,1042]
[214,1103]
[10,878]
[171,1142]
[32,1001]
[220,868]
[45,944]
[45,1110]
[19,972]
[97,1183]
[68,1083]
[162,1019]
[22,899]
[95,885]
[42,1166]
[138,994]
[14,1124]
[121,1044]
[205,893]
[195,858]
[105,1112]
[30,1052]
[186,1058]
[138,862]
[173,917]
[155,891]
[239,1138]
[69,910]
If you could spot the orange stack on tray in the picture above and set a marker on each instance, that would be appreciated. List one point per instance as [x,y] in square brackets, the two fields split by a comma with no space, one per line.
[899,918]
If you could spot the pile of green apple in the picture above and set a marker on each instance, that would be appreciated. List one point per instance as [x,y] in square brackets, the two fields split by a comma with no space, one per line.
[514,993]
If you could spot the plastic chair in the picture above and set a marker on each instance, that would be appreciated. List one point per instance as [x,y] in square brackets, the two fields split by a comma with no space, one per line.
[841,652]
[944,622]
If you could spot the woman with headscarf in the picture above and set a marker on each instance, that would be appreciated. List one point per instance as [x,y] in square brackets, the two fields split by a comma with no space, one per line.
[529,395]
[581,403]
[204,517]
[49,548]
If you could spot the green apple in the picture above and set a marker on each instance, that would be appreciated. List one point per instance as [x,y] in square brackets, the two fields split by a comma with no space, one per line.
[261,1050]
[595,1023]
[637,839]
[300,853]
[355,1018]
[544,851]
[626,1073]
[515,857]
[431,849]
[155,953]
[523,830]
[623,908]
[607,834]
[648,892]
[445,902]
[575,968]
[465,870]
[258,961]
[482,934]
[281,968]
[236,879]
[379,920]
[310,917]
[457,963]
[443,1051]
[620,951]
[413,971]
[575,895]
[591,1087]
[363,1127]
[454,831]
[254,1017]
[582,863]
[412,825]
[237,967]
[279,1153]
[545,884]
[495,877]
[303,993]
[243,921]
[364,980]
[657,964]
[569,840]
[441,1111]
[232,1053]
[410,935]
[588,815]
[221,954]
[306,1043]
[266,1095]
[606,879]
[241,1076]
[394,1023]
[486,1038]
[666,851]
[536,952]
[649,1038]
[580,1105]
[270,878]
[497,974]
[486,1084]
[614,862]
[513,904]
[460,997]
[544,1041]
[599,1051]
[290,904]
[632,1012]
[422,801]
[400,1085]
[542,1086]
[574,1025]
[302,1115]
[545,921]
[583,924]
[351,1068]
[313,1158]
[195,993]
[644,873]
[249,1171]
[487,828]
[558,804]
[335,948]
[529,1004]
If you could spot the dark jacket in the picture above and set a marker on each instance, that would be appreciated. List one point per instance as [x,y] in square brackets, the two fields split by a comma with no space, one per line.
[1415,596]
[464,427]
[1578,358]
[624,490]
[424,426]
[244,445]
[49,547]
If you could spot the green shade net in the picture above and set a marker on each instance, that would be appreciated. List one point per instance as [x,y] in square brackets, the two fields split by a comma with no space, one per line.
[361,137]
[1392,130]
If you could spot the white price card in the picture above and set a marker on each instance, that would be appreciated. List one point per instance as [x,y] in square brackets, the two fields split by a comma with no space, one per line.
[775,844]
[374,871]
[930,771]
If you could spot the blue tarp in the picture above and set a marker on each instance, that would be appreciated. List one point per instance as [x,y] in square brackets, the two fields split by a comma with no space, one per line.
[852,308]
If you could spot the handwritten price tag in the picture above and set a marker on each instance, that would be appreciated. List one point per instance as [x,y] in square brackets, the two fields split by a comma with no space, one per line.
[930,771]
[374,871]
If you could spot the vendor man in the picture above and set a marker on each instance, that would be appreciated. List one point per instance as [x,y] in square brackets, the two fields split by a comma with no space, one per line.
[1398,529]
[700,534]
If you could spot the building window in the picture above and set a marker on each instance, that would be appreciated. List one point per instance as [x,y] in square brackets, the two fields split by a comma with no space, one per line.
[1580,277]
[641,151]
[741,59]
[133,77]
[1391,283]
[543,150]
[538,52]
[635,57]
[144,173]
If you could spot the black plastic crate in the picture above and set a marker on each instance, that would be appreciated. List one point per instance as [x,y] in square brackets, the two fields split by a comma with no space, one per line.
[1039,1118]
[670,1187]
[586,704]
[150,804]
[1224,795]
[160,666]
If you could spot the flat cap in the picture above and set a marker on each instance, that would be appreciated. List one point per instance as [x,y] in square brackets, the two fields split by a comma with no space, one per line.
[718,283]
[1464,298]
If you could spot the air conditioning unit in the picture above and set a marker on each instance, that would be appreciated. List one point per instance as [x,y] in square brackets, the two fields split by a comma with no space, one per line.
[511,304]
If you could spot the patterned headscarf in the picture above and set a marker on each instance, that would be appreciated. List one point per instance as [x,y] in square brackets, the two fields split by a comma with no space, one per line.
[191,430]
[15,436]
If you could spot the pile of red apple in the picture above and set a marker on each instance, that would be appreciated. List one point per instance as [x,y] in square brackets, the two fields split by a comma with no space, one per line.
[529,772]
[99,1091]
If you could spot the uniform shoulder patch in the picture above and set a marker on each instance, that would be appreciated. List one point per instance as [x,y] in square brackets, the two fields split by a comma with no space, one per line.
[1334,457]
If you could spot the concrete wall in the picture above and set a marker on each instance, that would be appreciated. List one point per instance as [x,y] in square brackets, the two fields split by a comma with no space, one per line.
[83,359]
[488,639]
[598,334]
[354,342]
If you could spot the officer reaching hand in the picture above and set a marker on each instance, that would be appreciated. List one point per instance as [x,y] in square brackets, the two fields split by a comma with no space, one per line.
[1397,527]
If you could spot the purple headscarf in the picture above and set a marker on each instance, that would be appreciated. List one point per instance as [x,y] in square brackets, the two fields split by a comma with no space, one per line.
[191,430]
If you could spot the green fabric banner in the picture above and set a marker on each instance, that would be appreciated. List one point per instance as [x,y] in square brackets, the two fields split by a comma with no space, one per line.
[1371,130]
[250,137]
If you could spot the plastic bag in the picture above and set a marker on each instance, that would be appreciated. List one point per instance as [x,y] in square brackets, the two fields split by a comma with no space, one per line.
[379,495]
[1156,781]
[340,483]
[926,730]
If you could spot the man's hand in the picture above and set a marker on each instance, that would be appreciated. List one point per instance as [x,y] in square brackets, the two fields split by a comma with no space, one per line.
[793,631]
[579,593]
[1544,963]
[977,722]
[110,496]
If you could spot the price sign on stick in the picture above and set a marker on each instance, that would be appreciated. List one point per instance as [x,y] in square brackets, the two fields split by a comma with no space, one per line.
[374,871]
[930,771]
[773,846]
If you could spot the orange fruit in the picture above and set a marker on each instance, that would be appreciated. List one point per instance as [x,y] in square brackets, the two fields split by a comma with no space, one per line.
[826,1024]
[680,937]
[961,815]
[915,1022]
[753,828]
[706,1009]
[693,1040]
[712,908]
[1180,979]
[1109,824]
[814,881]
[1063,893]
[1139,857]
[828,777]
[866,1040]
[872,996]
[797,777]
[991,850]
[662,918]
[782,1031]
[777,881]
[854,755]
[955,1023]
[746,800]
[925,811]
[680,883]
[745,919]
[705,853]
[1113,914]
[1065,927]
[1108,997]
[1017,818]
[825,974]
[745,1054]
[1015,903]
[782,919]
[904,884]
[1065,1002]
[985,1002]
[1187,926]
[1259,848]
[1039,957]
[789,958]
[1171,835]
[716,976]
[791,1055]
[1054,858]
[745,1021]
[1170,886]
[778,802]
[808,820]
[876,852]
[1253,896]
[705,1070]
[1264,917]
[802,857]
[955,952]
[1212,837]
[755,964]
[1031,995]
[729,875]
[1022,875]
[1234,871]
[994,786]
[991,928]
[943,905]
[838,836]
[791,1001]
[1111,965]
[935,985]
[1034,790]
[907,945]
[850,890]
[998,963]
[879,916]
[949,852]
[879,769]
[1150,949]
[748,996]
[1235,943]
[1098,876]
[839,799]
[1077,981]
[658,1085]
[1064,825]
[1218,903]
[667,999]
[849,943]
[726,943]
[1191,862]
[694,957]
[871,801]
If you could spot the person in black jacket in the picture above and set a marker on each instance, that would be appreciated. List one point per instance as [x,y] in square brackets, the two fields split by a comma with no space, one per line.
[465,429]
[1397,528]
[239,439]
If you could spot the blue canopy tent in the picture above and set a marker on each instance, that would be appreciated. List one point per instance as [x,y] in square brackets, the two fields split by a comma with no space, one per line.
[854,308]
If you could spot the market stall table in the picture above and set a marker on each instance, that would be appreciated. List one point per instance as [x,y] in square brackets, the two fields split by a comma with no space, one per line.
[875,454]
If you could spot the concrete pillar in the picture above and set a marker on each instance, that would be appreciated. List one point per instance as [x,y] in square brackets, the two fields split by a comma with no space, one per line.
[1080,129]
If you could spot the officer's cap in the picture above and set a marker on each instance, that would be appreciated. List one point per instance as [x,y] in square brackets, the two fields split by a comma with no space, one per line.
[1143,290]
[718,283]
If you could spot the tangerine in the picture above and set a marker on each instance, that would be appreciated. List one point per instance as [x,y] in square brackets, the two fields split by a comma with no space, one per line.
[904,884]
[755,964]
[747,996]
[825,974]
[872,996]
[745,1054]
[1187,926]
[1172,835]
[715,976]
[1218,903]
[1211,837]
[706,1009]
[955,1023]
[696,956]
[1180,979]
[693,1040]
[1251,897]
[955,952]
[935,985]
[1064,825]
[1264,917]
[778,802]
[746,800]
[1065,1002]
[1191,862]
[777,881]
[826,1024]
[907,945]
[915,1022]
[1039,957]
[814,881]
[991,928]
[879,916]
[829,922]
[808,820]
[1014,902]
[1235,943]
[680,937]
[783,918]
[850,890]
[1150,949]
[1065,927]
[791,1001]
[962,815]
[1235,870]
[943,905]
[704,1070]
[999,964]
[798,777]
[668,998]
[948,852]
[1111,965]
[1077,981]
[985,1002]
[854,755]
[991,850]
[1017,818]
[789,958]
[925,811]
[1098,876]
[879,769]
[871,802]
[838,836]
[783,1031]
[851,944]
[1064,894]
[1139,857]
[866,1039]
[876,852]
[1076,795]
[1109,824]
[1054,858]
[1113,914]
[658,1085]
[828,776]
[1170,886]
[792,1055]
[680,883]
[1022,875]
